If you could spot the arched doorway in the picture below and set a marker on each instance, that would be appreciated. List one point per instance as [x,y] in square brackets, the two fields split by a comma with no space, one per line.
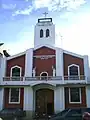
[45,101]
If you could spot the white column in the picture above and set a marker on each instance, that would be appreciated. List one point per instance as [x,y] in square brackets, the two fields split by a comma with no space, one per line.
[88,96]
[59,62]
[28,98]
[1,98]
[59,102]
[2,68]
[2,74]
[29,63]
[86,67]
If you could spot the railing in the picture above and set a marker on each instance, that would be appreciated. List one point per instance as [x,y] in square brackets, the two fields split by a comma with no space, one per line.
[12,78]
[43,78]
[46,78]
[81,77]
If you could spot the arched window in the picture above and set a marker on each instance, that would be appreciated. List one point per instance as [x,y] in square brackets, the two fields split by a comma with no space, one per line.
[16,72]
[41,33]
[47,33]
[44,75]
[73,71]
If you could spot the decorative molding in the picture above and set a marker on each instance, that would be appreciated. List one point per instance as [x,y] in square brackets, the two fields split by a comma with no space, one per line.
[73,54]
[17,55]
[16,66]
[44,56]
[75,66]
[43,73]
[45,45]
[45,24]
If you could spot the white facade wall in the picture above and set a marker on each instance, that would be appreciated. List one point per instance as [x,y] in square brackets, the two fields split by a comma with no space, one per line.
[88,96]
[59,62]
[28,98]
[1,98]
[29,63]
[2,74]
[2,68]
[59,103]
[86,68]
[44,40]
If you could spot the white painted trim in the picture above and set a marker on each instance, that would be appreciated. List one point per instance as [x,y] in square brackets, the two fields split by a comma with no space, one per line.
[42,73]
[73,54]
[15,67]
[17,55]
[70,96]
[44,56]
[37,47]
[46,45]
[75,66]
[10,97]
[42,82]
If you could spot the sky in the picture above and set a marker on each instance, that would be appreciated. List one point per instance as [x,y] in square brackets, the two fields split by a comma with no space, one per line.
[71,19]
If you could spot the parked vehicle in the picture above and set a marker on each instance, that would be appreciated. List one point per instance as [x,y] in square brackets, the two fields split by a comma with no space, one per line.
[12,113]
[86,116]
[70,114]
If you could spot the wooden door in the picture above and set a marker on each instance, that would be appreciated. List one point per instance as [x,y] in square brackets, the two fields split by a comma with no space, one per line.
[45,101]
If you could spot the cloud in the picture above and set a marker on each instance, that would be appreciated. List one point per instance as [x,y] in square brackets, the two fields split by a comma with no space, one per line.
[52,5]
[9,6]
[26,11]
[76,34]
[41,3]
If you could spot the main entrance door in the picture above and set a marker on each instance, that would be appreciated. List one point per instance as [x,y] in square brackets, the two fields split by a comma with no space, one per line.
[45,101]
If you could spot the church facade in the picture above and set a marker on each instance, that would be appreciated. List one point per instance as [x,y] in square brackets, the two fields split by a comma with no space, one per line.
[44,79]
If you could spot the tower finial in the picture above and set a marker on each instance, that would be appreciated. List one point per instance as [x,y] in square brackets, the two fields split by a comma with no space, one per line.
[45,13]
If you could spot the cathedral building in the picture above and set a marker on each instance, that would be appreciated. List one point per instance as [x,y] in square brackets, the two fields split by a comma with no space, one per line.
[44,79]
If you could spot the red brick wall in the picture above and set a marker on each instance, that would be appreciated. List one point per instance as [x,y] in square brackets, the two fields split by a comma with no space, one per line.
[69,59]
[6,99]
[83,98]
[44,64]
[44,51]
[20,61]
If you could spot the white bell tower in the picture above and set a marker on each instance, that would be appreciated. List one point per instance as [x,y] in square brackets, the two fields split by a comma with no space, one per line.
[44,33]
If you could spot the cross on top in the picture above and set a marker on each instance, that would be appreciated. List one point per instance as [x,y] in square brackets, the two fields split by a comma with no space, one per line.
[45,14]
